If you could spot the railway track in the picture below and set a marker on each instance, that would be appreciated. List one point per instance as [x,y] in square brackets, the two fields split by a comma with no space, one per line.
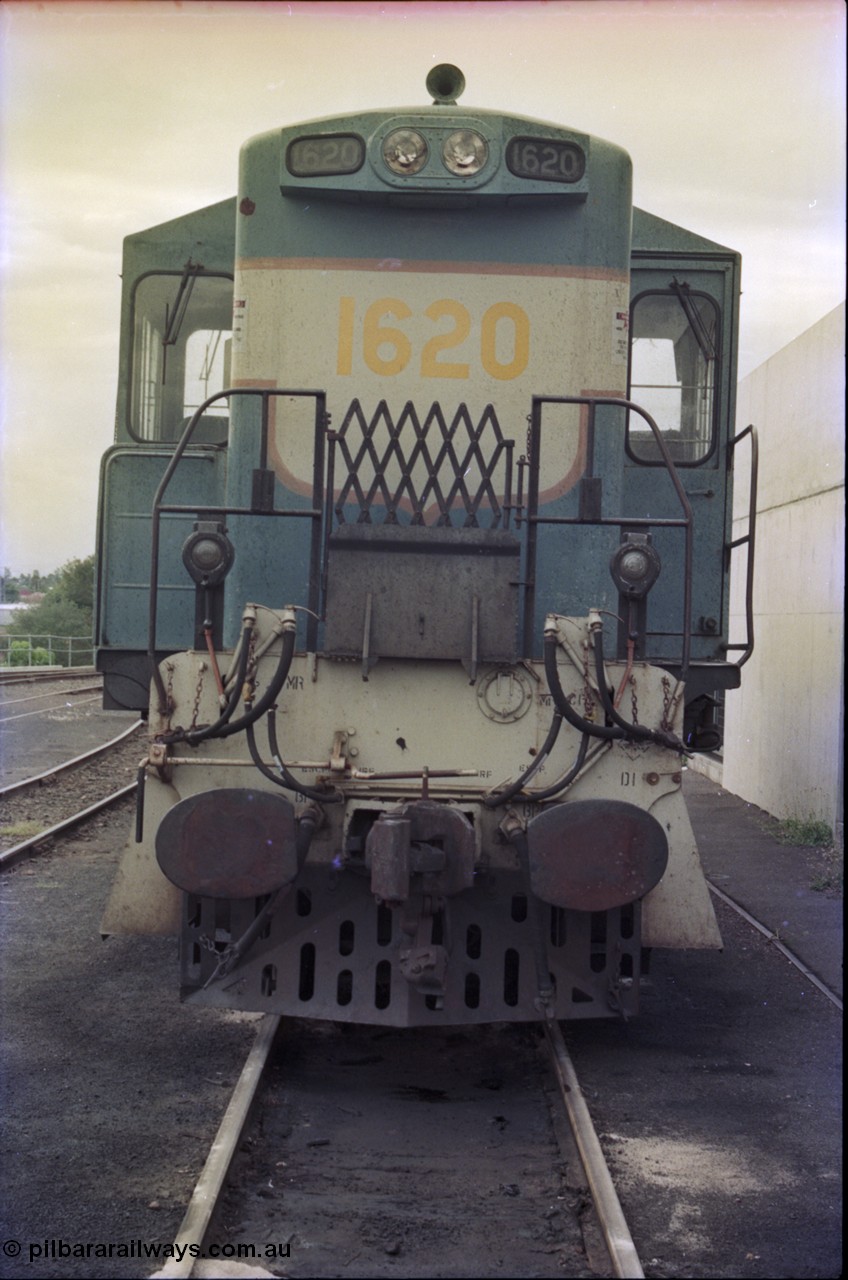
[31,675]
[280,1164]
[282,1169]
[83,687]
[773,938]
[35,810]
[436,1153]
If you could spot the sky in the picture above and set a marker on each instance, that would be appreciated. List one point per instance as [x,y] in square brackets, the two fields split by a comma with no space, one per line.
[117,116]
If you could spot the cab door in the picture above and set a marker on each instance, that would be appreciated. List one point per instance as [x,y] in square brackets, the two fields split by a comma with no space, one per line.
[682,371]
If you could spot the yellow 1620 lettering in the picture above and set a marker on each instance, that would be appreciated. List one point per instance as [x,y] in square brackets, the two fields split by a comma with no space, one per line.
[380,340]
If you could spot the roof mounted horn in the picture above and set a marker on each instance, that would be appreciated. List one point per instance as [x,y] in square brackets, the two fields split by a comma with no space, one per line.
[445,83]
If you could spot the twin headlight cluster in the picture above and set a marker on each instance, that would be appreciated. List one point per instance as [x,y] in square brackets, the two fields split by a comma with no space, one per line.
[464,152]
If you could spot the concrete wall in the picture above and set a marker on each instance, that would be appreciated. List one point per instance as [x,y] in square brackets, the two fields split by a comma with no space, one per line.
[784,727]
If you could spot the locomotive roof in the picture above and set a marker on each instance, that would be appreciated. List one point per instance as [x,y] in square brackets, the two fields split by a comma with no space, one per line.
[652,235]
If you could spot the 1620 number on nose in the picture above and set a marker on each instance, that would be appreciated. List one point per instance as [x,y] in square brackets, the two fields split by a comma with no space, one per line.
[387,349]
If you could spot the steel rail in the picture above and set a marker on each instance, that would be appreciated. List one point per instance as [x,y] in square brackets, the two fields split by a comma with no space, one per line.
[52,693]
[198,1215]
[68,764]
[25,675]
[20,851]
[619,1242]
[45,711]
[773,938]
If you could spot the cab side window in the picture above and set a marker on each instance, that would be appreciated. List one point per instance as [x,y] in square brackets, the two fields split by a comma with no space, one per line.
[674,343]
[182,338]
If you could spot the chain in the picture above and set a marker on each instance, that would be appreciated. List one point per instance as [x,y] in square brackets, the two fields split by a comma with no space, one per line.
[209,944]
[197,694]
[633,703]
[666,719]
[169,689]
[252,668]
[588,694]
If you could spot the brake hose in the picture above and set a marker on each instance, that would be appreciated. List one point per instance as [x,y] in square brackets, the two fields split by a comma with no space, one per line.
[328,796]
[270,695]
[561,702]
[285,779]
[502,797]
[640,732]
[193,736]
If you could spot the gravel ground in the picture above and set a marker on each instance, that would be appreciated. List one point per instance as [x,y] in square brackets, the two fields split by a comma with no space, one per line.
[111,1090]
[419,1154]
[27,812]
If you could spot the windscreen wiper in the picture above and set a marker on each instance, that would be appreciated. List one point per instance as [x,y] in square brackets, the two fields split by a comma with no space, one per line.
[703,337]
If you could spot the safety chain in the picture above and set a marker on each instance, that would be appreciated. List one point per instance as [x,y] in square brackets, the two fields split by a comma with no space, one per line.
[209,944]
[633,702]
[197,695]
[169,688]
[665,723]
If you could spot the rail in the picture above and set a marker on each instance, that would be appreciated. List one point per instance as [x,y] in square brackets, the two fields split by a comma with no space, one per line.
[9,857]
[616,1233]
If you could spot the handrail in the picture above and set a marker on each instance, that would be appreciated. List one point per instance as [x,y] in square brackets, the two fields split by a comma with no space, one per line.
[750,539]
[534,519]
[314,513]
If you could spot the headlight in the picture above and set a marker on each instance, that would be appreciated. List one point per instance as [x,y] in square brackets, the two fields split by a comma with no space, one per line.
[465,152]
[208,554]
[635,566]
[405,151]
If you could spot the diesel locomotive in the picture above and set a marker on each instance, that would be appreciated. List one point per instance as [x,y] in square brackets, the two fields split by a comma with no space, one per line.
[414,549]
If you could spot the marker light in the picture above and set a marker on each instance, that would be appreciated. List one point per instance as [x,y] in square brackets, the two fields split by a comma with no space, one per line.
[405,151]
[208,554]
[635,566]
[465,152]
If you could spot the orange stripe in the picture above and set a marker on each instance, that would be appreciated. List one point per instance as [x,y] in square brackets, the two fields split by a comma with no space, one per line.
[424,266]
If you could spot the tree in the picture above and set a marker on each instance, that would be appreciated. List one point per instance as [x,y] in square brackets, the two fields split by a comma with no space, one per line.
[9,592]
[66,610]
[75,583]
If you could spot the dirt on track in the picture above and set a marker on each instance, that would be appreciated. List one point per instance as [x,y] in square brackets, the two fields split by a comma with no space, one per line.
[434,1152]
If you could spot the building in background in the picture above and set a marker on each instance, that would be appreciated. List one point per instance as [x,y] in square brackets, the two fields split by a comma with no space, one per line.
[783,748]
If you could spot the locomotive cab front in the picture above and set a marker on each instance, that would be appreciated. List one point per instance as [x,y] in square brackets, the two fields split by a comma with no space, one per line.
[438,580]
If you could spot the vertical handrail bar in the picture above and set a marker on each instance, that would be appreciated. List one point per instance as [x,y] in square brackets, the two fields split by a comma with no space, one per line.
[531,535]
[329,506]
[316,539]
[509,445]
[750,538]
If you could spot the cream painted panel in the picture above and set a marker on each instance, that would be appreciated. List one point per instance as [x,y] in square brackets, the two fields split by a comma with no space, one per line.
[453,336]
